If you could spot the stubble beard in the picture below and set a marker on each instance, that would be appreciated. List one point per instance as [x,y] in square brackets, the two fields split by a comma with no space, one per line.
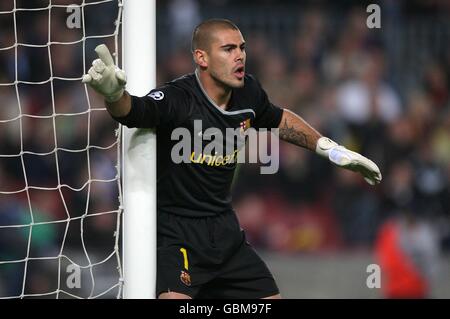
[223,81]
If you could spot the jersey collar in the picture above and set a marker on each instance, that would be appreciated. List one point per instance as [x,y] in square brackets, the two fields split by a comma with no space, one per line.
[214,103]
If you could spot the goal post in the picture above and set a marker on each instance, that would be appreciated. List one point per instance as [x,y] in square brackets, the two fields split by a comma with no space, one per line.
[139,154]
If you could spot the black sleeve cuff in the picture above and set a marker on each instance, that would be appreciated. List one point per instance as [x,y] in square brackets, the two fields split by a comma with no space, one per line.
[143,114]
[277,118]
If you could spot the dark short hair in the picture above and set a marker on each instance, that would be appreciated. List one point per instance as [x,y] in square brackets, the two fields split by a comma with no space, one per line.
[202,35]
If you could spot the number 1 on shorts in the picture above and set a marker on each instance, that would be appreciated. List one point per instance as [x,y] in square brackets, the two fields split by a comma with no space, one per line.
[184,252]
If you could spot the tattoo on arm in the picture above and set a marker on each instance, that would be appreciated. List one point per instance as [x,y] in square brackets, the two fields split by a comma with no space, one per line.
[295,130]
[289,134]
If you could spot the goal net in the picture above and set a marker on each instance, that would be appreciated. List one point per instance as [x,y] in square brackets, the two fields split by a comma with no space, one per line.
[60,192]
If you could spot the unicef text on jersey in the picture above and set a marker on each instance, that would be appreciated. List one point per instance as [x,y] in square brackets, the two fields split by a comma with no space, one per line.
[212,147]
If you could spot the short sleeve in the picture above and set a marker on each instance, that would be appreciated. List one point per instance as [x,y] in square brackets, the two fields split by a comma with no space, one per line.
[268,115]
[167,105]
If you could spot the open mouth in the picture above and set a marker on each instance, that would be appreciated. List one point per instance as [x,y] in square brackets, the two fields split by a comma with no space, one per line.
[240,72]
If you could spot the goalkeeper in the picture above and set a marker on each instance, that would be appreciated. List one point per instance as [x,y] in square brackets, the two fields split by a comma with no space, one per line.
[202,251]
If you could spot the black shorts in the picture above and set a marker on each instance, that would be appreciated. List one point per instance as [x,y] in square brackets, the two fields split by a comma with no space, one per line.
[209,258]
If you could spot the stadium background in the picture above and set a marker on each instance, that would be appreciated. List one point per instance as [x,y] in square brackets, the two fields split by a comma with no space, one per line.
[382,92]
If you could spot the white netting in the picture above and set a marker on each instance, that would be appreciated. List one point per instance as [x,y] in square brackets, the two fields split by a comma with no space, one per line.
[59,157]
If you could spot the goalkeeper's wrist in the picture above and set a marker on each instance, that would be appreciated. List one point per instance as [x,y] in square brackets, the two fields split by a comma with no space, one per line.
[334,152]
[324,146]
[111,98]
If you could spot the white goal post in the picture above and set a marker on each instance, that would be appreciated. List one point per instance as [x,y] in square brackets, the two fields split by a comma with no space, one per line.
[139,149]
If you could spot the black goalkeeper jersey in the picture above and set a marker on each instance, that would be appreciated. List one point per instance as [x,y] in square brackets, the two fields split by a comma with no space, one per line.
[200,186]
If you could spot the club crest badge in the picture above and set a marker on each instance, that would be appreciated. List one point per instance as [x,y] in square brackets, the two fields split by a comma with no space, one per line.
[244,126]
[185,278]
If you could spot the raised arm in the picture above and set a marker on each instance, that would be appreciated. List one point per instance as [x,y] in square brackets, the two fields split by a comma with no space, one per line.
[295,130]
[121,107]
[108,80]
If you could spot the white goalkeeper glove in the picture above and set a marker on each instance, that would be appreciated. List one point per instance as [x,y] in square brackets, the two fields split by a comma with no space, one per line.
[345,158]
[105,77]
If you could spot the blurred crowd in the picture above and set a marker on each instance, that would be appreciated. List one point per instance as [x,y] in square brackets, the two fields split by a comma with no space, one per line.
[381,92]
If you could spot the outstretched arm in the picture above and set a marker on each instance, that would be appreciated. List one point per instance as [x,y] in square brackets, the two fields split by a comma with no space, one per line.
[295,130]
[121,107]
[108,80]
